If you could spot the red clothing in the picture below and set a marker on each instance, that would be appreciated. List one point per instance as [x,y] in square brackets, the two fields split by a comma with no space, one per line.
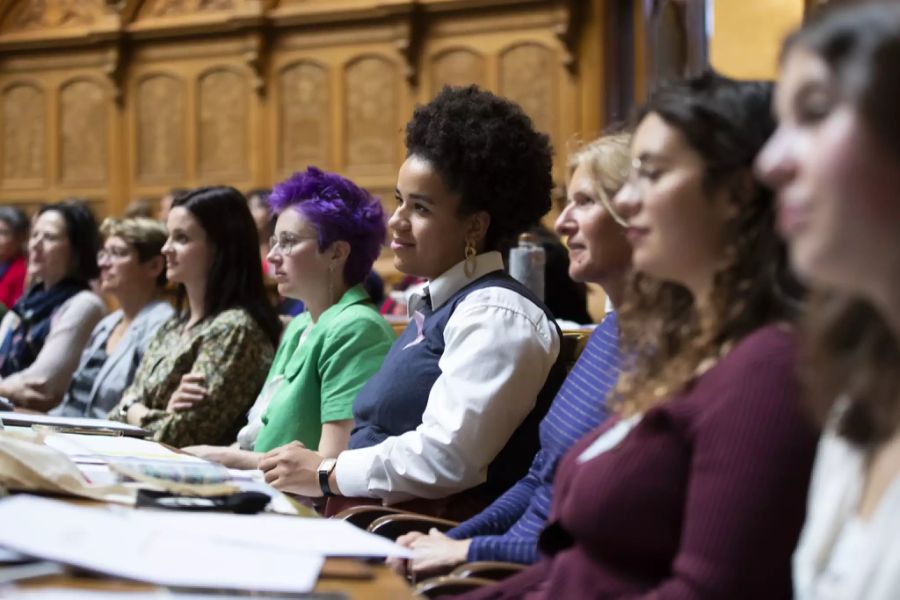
[12,283]
[704,498]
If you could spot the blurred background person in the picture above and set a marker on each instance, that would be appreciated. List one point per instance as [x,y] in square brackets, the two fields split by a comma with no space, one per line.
[133,272]
[13,266]
[43,335]
[264,218]
[220,346]
[835,162]
[165,203]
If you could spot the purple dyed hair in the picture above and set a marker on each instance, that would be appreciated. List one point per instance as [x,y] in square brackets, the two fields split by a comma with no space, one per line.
[337,209]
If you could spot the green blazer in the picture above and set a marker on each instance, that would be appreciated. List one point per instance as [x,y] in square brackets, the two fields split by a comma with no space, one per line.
[323,375]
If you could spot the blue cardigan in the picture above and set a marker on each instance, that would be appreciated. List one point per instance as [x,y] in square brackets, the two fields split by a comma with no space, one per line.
[508,529]
[117,372]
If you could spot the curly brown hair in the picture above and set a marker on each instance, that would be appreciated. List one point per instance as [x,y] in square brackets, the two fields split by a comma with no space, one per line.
[850,350]
[668,338]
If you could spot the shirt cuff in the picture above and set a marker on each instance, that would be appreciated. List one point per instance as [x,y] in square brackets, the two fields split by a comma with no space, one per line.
[352,473]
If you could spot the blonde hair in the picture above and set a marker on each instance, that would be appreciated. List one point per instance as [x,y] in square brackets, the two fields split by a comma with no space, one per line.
[608,162]
[147,236]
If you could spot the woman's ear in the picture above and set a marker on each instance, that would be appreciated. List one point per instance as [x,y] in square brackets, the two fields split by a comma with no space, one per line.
[155,266]
[339,250]
[478,227]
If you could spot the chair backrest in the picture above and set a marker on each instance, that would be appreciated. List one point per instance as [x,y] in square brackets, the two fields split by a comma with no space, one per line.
[571,345]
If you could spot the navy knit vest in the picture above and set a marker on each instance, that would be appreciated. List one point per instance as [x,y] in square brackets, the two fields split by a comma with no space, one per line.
[393,400]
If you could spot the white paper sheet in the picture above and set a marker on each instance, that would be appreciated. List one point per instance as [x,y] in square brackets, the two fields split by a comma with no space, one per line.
[82,448]
[14,418]
[257,552]
[134,545]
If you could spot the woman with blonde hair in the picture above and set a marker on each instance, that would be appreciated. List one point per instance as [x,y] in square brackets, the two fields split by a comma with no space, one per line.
[133,272]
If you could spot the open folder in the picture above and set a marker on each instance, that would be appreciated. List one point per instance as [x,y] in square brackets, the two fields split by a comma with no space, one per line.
[72,424]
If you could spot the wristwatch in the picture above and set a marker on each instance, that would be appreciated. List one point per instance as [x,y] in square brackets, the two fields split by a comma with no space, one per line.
[124,406]
[324,470]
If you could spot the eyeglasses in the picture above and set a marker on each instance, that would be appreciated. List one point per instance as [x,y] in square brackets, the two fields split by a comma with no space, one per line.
[285,244]
[113,253]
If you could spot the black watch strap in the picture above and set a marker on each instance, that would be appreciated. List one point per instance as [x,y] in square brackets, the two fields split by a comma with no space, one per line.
[324,470]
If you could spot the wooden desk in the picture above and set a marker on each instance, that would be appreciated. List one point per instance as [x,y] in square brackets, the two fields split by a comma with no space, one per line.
[355,579]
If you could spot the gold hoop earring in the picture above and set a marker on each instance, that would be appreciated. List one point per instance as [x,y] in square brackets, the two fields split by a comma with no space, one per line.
[470,264]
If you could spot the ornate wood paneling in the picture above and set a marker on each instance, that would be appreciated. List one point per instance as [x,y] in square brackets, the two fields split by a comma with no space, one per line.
[83,133]
[222,150]
[304,120]
[457,66]
[160,129]
[371,86]
[45,14]
[527,76]
[168,8]
[24,135]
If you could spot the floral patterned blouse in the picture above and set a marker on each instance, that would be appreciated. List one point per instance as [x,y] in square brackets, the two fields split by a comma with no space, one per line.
[234,355]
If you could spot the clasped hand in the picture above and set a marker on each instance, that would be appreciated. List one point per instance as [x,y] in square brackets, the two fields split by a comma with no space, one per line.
[292,468]
[431,551]
[190,391]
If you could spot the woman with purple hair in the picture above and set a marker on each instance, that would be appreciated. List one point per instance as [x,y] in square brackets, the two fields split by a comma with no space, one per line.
[328,234]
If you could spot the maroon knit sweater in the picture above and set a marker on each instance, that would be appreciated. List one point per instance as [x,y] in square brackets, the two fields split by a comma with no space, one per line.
[705,498]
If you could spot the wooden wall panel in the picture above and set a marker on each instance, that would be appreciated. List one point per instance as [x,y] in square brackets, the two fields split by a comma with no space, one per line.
[83,142]
[457,67]
[160,129]
[24,136]
[528,76]
[304,118]
[371,85]
[222,121]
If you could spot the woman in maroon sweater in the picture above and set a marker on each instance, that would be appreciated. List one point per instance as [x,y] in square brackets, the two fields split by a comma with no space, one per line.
[697,489]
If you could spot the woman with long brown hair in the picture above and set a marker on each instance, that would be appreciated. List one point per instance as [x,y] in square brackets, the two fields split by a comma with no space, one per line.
[695,487]
[835,161]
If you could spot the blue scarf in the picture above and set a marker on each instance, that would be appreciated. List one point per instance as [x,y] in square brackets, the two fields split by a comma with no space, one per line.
[35,310]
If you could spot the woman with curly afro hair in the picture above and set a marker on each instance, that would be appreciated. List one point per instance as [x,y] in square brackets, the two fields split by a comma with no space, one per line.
[456,404]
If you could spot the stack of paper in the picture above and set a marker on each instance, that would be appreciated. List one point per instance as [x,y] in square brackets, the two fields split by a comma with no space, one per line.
[215,551]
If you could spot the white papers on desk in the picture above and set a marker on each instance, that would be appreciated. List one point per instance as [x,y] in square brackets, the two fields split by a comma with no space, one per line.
[206,550]
[97,449]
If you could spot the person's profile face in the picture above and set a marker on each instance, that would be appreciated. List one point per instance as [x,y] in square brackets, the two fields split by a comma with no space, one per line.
[836,182]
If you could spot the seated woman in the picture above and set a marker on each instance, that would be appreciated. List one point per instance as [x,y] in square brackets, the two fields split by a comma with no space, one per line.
[456,404]
[840,212]
[13,236]
[599,252]
[328,234]
[696,487]
[43,335]
[132,271]
[220,348]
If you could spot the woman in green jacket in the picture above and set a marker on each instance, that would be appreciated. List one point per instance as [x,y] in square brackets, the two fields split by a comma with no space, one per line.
[328,234]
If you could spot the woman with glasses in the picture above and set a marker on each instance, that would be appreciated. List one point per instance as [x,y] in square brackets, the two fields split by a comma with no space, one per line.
[133,272]
[219,347]
[328,234]
[43,335]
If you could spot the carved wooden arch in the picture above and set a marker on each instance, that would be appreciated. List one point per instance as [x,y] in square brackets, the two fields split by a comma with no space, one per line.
[83,125]
[371,100]
[304,118]
[528,74]
[457,74]
[24,137]
[160,127]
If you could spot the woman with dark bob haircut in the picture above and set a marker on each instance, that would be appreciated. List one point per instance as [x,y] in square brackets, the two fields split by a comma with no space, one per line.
[215,353]
[43,335]
[835,161]
[328,234]
[695,485]
[456,404]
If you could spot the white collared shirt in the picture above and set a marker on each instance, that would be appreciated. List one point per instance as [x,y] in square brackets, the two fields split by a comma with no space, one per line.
[499,348]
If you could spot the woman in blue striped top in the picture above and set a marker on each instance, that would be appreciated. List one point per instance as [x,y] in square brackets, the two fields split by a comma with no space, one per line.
[508,529]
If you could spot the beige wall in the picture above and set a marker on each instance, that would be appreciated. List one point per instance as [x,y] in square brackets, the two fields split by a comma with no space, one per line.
[747,35]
